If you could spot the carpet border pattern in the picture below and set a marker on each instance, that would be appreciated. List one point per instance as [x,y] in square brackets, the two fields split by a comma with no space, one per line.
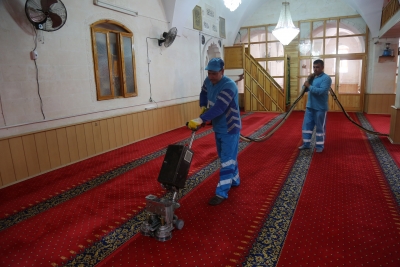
[269,243]
[98,251]
[82,188]
[388,165]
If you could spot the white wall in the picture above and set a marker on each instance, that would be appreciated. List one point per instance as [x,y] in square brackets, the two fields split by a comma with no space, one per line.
[381,75]
[65,63]
[65,66]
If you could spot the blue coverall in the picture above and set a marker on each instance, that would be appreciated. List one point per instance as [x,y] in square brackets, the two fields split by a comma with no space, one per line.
[222,100]
[316,110]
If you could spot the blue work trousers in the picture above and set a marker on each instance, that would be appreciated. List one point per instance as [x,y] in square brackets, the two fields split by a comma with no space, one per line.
[227,148]
[316,118]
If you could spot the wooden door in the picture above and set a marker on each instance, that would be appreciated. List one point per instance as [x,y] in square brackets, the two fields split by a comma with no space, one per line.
[348,83]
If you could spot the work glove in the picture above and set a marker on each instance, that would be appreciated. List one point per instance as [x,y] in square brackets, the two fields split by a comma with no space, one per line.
[194,124]
[203,110]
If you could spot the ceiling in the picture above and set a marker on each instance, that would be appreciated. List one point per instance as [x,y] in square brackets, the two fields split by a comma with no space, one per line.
[370,11]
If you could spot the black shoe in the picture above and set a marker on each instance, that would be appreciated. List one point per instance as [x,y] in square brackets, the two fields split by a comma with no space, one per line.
[304,147]
[216,200]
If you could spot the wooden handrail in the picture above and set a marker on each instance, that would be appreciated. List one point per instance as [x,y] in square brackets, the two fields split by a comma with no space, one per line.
[260,88]
[275,85]
[264,71]
[389,11]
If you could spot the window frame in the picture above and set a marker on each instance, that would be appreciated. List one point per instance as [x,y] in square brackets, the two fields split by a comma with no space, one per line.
[121,60]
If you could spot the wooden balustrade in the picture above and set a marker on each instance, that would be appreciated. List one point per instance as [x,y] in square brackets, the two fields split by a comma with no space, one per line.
[261,92]
[389,11]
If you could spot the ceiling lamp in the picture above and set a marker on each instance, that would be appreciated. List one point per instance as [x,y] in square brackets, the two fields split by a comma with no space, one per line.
[232,4]
[304,47]
[285,31]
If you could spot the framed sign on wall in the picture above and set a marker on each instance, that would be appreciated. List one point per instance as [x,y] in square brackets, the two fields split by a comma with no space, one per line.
[222,28]
[197,18]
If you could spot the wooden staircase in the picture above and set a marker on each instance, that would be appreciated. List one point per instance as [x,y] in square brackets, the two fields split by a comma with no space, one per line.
[261,91]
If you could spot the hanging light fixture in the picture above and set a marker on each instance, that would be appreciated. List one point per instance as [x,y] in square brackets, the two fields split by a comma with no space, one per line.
[304,47]
[232,4]
[285,31]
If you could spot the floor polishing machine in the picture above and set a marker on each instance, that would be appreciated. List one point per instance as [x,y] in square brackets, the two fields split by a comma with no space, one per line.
[160,217]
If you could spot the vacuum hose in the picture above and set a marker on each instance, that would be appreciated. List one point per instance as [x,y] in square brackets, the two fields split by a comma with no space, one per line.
[270,133]
[350,119]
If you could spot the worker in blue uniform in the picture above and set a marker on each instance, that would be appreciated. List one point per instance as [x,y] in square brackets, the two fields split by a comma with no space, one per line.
[219,96]
[317,86]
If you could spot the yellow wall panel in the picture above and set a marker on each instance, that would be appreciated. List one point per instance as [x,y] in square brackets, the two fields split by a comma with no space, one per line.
[178,116]
[124,130]
[183,114]
[18,157]
[81,141]
[181,110]
[141,125]
[72,143]
[63,145]
[129,123]
[118,133]
[164,119]
[135,121]
[105,140]
[97,137]
[6,163]
[233,57]
[146,123]
[53,148]
[379,103]
[89,139]
[31,155]
[151,121]
[157,116]
[42,151]
[170,122]
[111,133]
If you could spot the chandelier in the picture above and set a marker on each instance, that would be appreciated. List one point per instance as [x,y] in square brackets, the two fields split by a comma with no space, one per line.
[232,4]
[304,47]
[285,31]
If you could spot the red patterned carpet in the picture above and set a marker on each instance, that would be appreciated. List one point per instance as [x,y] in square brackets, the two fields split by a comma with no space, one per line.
[222,235]
[381,123]
[337,208]
[67,221]
[346,215]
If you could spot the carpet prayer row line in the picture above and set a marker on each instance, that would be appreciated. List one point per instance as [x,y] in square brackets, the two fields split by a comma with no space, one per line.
[293,208]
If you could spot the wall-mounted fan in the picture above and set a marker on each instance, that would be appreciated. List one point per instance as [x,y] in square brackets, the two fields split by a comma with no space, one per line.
[168,37]
[46,15]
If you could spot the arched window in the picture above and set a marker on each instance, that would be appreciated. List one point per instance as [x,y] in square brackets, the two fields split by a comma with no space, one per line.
[114,60]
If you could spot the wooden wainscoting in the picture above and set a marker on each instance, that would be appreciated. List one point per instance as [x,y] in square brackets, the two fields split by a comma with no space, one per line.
[28,155]
[379,103]
[241,100]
